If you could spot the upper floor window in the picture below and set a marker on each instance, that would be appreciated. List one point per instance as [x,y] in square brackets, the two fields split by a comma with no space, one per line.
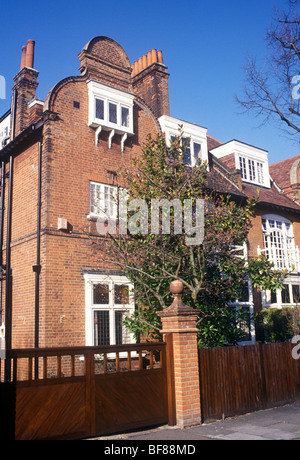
[252,170]
[252,161]
[279,245]
[191,152]
[110,108]
[193,139]
[103,200]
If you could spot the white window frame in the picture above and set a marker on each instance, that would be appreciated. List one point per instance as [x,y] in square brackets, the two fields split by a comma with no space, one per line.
[267,299]
[279,242]
[109,95]
[98,203]
[196,134]
[245,155]
[250,305]
[252,170]
[92,279]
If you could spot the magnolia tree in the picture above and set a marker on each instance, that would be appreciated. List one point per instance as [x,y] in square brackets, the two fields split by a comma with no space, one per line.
[196,238]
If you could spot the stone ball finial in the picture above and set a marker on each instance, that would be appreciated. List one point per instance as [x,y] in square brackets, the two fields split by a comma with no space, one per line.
[176,287]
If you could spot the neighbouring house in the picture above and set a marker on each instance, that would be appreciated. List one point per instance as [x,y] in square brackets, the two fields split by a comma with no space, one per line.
[59,161]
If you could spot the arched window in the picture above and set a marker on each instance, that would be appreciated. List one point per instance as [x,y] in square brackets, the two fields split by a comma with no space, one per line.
[279,245]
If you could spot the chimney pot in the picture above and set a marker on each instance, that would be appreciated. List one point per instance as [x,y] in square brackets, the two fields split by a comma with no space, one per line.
[154,55]
[160,57]
[144,58]
[140,64]
[30,53]
[23,58]
[149,58]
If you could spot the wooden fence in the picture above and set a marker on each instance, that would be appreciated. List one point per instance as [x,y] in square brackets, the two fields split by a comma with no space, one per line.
[70,393]
[239,379]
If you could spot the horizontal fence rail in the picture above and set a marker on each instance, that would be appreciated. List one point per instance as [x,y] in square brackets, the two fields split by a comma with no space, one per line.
[49,363]
[76,392]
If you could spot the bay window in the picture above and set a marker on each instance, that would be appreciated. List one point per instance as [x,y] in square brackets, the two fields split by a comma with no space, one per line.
[110,108]
[279,246]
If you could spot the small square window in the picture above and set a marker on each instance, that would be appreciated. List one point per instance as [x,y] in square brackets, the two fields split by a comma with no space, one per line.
[100,294]
[121,294]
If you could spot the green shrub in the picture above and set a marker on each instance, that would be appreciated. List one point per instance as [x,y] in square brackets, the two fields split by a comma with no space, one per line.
[278,325]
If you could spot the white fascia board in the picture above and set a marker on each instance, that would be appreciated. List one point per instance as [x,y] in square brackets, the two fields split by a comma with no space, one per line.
[108,92]
[240,148]
[169,123]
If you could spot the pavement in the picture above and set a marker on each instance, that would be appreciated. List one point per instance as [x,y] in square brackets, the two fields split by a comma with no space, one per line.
[278,423]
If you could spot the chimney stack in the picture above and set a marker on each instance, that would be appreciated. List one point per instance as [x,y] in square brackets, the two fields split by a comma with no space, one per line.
[24,88]
[150,81]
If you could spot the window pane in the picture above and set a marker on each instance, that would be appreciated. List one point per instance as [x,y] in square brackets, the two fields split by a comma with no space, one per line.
[119,327]
[187,151]
[95,198]
[285,294]
[244,292]
[296,293]
[273,297]
[243,167]
[101,294]
[101,324]
[260,172]
[251,170]
[245,323]
[121,294]
[197,150]
[112,113]
[109,202]
[125,116]
[100,109]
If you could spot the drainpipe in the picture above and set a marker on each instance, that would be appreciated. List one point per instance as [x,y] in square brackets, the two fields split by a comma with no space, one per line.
[37,267]
[1,232]
[8,290]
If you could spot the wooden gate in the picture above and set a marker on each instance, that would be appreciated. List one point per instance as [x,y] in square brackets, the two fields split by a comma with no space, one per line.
[72,393]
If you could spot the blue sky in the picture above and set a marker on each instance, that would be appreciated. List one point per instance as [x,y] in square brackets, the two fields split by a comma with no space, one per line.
[204,45]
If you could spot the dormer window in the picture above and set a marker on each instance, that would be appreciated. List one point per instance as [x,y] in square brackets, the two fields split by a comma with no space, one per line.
[251,161]
[111,110]
[194,138]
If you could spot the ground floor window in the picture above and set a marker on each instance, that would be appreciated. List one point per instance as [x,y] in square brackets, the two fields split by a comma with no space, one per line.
[288,296]
[244,313]
[109,299]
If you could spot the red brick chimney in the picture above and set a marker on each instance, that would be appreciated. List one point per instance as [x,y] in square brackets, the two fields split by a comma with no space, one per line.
[150,82]
[24,89]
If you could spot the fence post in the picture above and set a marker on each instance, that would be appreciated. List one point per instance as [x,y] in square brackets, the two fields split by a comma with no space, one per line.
[179,320]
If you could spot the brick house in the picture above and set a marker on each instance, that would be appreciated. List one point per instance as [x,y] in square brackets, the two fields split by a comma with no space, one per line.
[59,161]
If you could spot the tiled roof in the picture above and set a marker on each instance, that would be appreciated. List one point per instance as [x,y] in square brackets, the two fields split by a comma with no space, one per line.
[224,180]
[270,196]
[281,171]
